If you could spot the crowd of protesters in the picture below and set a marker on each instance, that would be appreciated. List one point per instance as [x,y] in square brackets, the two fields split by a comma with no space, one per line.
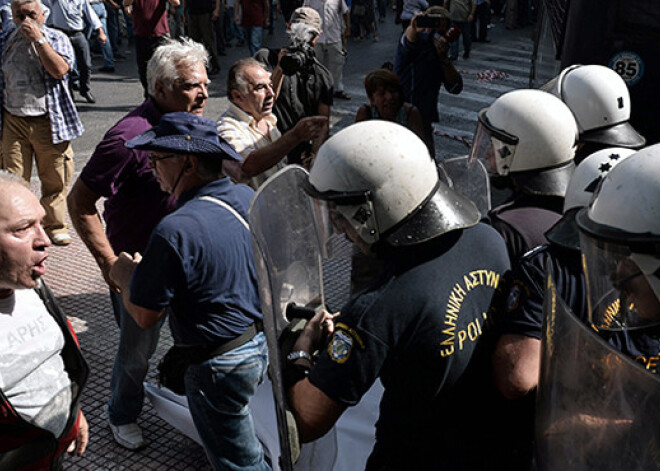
[449,317]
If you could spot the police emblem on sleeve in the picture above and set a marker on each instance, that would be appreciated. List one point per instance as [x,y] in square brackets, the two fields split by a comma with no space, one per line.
[515,292]
[342,343]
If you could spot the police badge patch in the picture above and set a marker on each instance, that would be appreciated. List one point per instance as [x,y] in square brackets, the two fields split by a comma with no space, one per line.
[342,343]
[517,290]
[341,346]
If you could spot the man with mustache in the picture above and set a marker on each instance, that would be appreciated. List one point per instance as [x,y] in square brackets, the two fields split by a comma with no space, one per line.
[177,79]
[42,370]
[250,126]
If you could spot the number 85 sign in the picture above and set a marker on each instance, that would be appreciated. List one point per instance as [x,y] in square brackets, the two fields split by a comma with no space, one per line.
[628,65]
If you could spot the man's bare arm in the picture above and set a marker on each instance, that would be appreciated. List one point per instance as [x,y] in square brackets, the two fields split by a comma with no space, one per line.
[87,222]
[516,364]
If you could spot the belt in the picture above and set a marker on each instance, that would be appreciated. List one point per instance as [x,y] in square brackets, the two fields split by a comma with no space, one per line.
[242,339]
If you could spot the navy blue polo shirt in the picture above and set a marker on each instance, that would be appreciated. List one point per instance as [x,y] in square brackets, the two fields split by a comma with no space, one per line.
[199,261]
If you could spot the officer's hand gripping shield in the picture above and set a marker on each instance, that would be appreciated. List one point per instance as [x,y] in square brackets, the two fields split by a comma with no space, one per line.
[596,409]
[289,270]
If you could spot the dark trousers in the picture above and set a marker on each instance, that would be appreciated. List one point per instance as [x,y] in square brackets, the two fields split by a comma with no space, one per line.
[480,23]
[144,49]
[83,59]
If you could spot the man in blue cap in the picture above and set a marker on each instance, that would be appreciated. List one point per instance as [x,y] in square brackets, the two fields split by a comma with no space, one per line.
[199,262]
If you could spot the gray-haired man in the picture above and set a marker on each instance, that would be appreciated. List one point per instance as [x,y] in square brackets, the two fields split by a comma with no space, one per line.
[177,79]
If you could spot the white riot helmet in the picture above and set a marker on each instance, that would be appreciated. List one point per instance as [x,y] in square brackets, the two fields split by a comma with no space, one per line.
[583,184]
[600,101]
[379,176]
[620,240]
[530,136]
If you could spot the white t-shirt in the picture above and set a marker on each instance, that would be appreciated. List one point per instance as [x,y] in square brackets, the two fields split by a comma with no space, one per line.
[32,373]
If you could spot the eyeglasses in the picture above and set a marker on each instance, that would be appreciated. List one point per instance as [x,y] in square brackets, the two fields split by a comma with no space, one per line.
[621,284]
[154,159]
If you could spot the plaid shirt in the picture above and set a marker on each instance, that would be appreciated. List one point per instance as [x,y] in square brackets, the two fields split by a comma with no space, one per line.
[240,130]
[65,124]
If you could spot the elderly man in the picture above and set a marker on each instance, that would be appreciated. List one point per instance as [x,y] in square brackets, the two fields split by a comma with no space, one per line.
[135,204]
[69,17]
[306,85]
[38,115]
[250,127]
[43,371]
[199,262]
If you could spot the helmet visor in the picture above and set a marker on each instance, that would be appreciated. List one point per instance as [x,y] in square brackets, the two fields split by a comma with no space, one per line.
[619,294]
[494,147]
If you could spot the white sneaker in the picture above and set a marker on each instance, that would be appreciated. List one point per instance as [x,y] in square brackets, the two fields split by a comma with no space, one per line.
[128,435]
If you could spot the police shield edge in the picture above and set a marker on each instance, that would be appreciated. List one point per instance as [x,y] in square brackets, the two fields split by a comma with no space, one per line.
[288,264]
[596,409]
[469,178]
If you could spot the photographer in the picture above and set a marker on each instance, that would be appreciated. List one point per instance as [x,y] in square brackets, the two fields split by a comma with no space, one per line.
[307,85]
[422,64]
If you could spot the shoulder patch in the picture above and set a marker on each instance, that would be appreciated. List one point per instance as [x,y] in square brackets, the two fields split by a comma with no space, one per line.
[344,339]
[517,289]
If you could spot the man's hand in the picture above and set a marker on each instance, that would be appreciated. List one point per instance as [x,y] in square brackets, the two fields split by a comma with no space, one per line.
[30,29]
[102,37]
[122,270]
[310,128]
[441,46]
[316,330]
[79,444]
[106,267]
[215,15]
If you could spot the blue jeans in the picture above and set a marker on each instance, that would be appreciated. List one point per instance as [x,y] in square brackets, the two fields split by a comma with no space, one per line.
[235,31]
[466,33]
[218,392]
[113,29]
[106,49]
[254,36]
[136,346]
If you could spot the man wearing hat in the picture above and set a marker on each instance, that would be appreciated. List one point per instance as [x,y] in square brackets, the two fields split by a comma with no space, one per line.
[199,263]
[307,85]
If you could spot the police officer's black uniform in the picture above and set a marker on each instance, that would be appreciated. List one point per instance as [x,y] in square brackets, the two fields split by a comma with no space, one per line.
[417,328]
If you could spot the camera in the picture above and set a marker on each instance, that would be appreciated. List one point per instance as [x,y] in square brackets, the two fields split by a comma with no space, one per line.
[430,21]
[300,50]
[296,59]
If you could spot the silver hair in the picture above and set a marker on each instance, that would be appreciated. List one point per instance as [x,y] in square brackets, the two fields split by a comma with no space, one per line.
[7,178]
[236,75]
[18,3]
[169,57]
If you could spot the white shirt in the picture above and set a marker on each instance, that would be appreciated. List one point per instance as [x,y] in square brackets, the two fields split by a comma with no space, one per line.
[331,13]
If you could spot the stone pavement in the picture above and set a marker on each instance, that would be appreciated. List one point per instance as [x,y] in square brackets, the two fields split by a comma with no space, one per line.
[493,68]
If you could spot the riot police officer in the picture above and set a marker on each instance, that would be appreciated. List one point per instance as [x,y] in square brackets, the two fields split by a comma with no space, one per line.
[600,102]
[526,139]
[418,326]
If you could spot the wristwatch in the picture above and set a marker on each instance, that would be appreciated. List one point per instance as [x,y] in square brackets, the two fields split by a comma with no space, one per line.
[297,355]
[41,41]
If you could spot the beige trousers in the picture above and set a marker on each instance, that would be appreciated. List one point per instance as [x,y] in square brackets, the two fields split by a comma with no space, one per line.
[23,137]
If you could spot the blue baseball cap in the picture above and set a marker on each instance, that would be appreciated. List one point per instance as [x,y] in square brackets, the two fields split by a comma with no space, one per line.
[185,133]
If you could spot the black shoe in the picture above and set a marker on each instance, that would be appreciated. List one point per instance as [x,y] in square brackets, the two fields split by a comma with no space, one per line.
[342,95]
[88,96]
[482,40]
[74,86]
[106,68]
[120,57]
[466,55]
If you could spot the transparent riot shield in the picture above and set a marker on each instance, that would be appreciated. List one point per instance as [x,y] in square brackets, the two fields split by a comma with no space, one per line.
[469,178]
[288,264]
[596,409]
